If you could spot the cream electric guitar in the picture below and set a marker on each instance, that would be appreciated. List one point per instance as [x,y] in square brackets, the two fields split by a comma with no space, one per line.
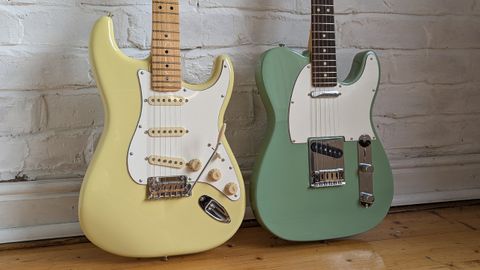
[163,180]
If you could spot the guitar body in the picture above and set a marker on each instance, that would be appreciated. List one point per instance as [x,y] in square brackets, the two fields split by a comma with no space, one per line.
[114,211]
[282,199]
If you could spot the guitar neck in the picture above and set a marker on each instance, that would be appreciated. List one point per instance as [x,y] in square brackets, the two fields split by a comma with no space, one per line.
[323,52]
[166,63]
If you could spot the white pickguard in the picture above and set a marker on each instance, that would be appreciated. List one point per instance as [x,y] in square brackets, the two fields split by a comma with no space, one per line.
[200,116]
[345,116]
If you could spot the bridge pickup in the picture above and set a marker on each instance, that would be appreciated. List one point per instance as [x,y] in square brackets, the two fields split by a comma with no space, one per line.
[167,188]
[166,132]
[176,163]
[326,160]
[166,101]
[325,94]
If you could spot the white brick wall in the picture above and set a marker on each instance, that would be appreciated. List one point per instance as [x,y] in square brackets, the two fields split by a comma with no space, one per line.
[427,113]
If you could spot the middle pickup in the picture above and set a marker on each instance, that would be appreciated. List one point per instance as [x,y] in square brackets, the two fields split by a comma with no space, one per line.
[167,132]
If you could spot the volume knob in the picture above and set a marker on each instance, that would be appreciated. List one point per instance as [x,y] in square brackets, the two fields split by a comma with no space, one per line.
[215,175]
[194,165]
[231,189]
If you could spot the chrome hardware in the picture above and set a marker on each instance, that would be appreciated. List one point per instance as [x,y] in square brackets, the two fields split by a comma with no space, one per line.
[365,171]
[327,164]
[167,188]
[214,209]
[325,94]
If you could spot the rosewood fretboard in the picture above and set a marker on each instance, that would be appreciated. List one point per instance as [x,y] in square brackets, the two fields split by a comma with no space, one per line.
[323,53]
[166,63]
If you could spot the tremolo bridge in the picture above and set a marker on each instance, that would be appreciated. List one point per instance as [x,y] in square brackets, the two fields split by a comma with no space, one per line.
[327,164]
[167,188]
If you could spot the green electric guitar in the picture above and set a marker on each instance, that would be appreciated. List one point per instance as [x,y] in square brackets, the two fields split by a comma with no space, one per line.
[322,172]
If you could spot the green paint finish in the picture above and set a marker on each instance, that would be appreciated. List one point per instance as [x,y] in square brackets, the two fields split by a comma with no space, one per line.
[281,199]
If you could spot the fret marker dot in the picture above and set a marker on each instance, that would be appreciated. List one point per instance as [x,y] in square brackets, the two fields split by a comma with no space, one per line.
[324,50]
[318,10]
[324,63]
[325,75]
[324,35]
[328,10]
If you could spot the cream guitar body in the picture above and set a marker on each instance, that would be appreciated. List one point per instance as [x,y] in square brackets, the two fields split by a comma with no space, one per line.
[163,180]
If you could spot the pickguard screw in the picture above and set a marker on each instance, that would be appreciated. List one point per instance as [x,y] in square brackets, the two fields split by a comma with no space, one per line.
[222,96]
[293,102]
[230,168]
[225,66]
[131,153]
[141,72]
[140,126]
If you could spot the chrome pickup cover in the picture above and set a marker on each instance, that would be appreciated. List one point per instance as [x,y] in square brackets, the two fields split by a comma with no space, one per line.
[326,161]
[167,188]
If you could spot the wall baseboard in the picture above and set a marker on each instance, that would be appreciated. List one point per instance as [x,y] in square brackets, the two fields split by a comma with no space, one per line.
[47,209]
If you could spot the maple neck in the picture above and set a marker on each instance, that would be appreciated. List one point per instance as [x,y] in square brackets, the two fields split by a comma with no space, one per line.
[166,62]
[323,52]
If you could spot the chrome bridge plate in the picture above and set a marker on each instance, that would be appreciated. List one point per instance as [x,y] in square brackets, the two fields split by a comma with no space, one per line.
[159,188]
[326,160]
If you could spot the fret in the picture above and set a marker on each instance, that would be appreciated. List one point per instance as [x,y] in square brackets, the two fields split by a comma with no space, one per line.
[165,53]
[323,52]
[324,69]
[323,57]
[320,43]
[323,28]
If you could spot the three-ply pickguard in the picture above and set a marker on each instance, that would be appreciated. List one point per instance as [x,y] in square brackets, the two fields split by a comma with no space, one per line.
[176,136]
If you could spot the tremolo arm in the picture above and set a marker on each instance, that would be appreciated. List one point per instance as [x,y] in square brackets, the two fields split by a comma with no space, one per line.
[221,135]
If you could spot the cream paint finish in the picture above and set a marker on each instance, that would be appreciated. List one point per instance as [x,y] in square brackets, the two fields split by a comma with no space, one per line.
[347,115]
[113,211]
[200,116]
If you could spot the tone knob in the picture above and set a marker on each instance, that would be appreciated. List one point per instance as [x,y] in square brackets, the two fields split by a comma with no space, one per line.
[214,175]
[194,165]
[231,189]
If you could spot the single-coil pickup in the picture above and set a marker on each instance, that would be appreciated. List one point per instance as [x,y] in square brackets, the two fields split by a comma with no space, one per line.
[166,101]
[326,150]
[169,162]
[167,132]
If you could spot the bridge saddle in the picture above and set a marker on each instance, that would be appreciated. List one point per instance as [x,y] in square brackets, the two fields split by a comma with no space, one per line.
[167,188]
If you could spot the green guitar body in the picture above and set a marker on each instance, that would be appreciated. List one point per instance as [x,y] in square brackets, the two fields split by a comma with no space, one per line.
[281,197]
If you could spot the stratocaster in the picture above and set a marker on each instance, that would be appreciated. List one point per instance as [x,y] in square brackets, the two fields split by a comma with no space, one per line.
[323,172]
[163,180]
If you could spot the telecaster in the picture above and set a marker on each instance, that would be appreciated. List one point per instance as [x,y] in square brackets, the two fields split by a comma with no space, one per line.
[163,180]
[323,172]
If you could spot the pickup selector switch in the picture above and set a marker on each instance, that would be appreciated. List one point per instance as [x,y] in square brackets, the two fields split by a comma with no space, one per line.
[194,165]
[214,175]
[231,189]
